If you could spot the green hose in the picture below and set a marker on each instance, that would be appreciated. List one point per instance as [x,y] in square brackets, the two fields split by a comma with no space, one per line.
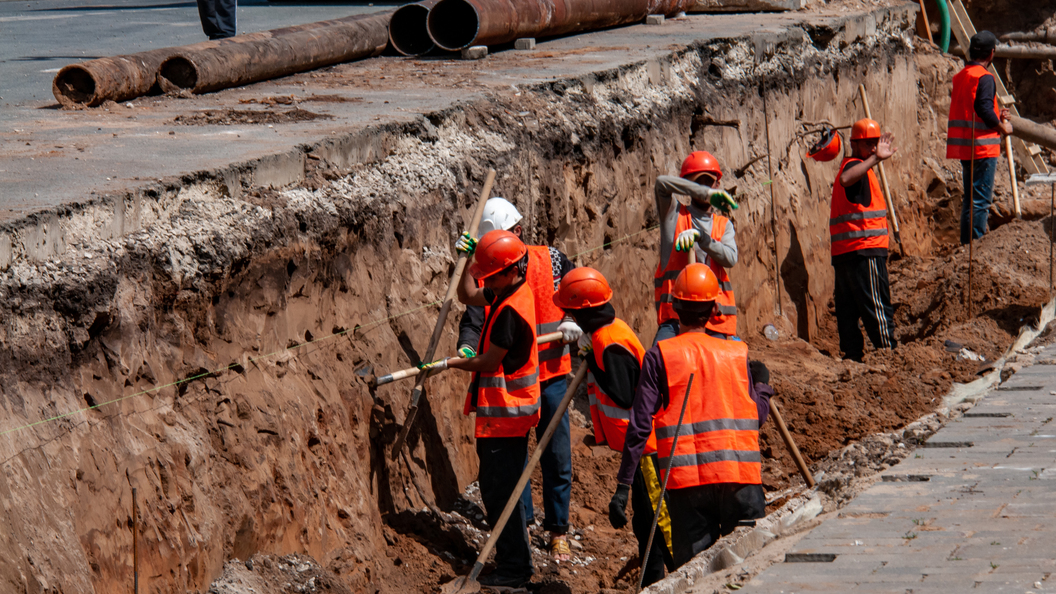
[944,26]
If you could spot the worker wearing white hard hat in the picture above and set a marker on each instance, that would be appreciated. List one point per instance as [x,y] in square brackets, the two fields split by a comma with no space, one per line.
[546,267]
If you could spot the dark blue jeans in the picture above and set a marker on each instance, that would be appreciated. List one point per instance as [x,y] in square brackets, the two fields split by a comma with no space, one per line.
[982,196]
[556,462]
[218,18]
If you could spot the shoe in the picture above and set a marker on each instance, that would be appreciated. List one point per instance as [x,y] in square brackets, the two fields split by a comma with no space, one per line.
[559,548]
[503,581]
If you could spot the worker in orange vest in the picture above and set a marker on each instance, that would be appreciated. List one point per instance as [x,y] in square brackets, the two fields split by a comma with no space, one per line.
[974,133]
[695,226]
[716,470]
[858,233]
[546,267]
[614,356]
[504,392]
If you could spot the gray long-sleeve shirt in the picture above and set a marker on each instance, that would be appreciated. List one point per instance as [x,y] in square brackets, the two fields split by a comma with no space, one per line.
[723,252]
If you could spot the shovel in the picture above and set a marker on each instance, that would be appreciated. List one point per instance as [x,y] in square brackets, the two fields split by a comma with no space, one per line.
[469,584]
[396,376]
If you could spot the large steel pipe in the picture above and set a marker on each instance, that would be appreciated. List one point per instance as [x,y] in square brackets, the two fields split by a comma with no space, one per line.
[117,78]
[236,61]
[457,24]
[1022,52]
[1039,134]
[408,32]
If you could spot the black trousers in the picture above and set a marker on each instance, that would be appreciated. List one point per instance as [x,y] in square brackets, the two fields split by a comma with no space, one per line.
[863,292]
[218,17]
[501,463]
[644,491]
[700,515]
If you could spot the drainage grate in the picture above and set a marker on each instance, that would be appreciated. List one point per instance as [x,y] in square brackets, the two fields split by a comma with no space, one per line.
[987,415]
[810,557]
[948,444]
[906,478]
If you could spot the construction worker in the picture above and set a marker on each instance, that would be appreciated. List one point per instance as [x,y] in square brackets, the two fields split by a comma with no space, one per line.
[858,233]
[546,267]
[504,392]
[694,226]
[974,133]
[716,469]
[614,356]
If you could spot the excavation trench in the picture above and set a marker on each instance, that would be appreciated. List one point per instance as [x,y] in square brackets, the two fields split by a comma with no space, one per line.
[226,348]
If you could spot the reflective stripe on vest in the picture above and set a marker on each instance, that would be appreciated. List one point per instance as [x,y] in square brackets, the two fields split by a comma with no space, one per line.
[965,127]
[725,318]
[611,421]
[719,442]
[853,226]
[555,358]
[507,405]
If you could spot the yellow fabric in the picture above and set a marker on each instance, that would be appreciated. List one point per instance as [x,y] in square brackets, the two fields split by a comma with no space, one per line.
[652,486]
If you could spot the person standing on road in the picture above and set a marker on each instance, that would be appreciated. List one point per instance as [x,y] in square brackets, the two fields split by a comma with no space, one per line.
[698,227]
[716,471]
[219,17]
[614,356]
[858,232]
[974,133]
[504,392]
[546,267]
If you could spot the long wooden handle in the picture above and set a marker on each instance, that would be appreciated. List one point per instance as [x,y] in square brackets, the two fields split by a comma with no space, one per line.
[791,444]
[452,289]
[892,213]
[396,376]
[1012,176]
[521,482]
[693,254]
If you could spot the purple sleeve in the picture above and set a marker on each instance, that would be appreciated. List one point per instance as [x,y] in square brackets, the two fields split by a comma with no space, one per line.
[761,393]
[647,401]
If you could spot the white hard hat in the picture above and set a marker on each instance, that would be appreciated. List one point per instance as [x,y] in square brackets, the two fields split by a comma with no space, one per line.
[498,214]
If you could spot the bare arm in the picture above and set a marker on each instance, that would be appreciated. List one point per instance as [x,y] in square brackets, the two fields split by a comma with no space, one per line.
[884,151]
[468,291]
[488,361]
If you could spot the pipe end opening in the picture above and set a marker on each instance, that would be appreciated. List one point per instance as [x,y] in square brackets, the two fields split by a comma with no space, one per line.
[408,32]
[179,71]
[74,85]
[453,24]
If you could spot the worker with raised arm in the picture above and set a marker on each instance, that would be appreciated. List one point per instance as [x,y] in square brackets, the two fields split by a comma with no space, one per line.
[697,226]
[716,472]
[974,133]
[546,267]
[614,356]
[504,391]
[858,233]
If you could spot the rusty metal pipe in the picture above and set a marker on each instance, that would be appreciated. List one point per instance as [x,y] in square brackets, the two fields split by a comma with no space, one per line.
[244,59]
[457,24]
[408,33]
[1030,131]
[117,78]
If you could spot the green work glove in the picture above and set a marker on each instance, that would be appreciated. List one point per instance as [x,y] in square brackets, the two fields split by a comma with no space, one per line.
[466,244]
[467,352]
[722,201]
[439,365]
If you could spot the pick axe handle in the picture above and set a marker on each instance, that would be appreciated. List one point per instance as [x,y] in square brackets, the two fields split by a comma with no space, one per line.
[1012,176]
[791,444]
[521,482]
[396,376]
[438,329]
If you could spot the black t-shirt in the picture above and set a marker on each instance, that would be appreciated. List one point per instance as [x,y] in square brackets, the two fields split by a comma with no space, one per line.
[510,332]
[859,193]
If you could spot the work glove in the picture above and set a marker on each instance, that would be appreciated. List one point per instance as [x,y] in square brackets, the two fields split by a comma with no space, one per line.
[570,331]
[685,240]
[439,365]
[722,201]
[618,506]
[467,352]
[466,244]
[585,344]
[760,374]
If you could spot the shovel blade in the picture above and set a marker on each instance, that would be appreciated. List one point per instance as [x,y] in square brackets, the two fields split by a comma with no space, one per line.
[461,585]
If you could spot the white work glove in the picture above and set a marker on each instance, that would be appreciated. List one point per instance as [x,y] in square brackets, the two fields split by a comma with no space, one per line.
[466,244]
[570,331]
[585,344]
[685,240]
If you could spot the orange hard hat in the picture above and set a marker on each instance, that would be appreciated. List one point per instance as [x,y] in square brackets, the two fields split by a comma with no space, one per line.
[700,161]
[496,251]
[581,288]
[696,282]
[864,129]
[828,147]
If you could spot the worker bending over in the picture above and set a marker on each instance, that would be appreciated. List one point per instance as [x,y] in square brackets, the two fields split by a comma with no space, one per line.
[504,392]
[546,267]
[974,133]
[858,230]
[694,226]
[614,356]
[716,470]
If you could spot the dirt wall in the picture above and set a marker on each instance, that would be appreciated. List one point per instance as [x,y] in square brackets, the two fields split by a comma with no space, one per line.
[286,449]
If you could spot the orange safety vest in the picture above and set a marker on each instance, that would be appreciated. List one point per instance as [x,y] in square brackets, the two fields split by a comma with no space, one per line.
[719,442]
[964,123]
[853,226]
[507,405]
[610,420]
[555,360]
[725,318]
